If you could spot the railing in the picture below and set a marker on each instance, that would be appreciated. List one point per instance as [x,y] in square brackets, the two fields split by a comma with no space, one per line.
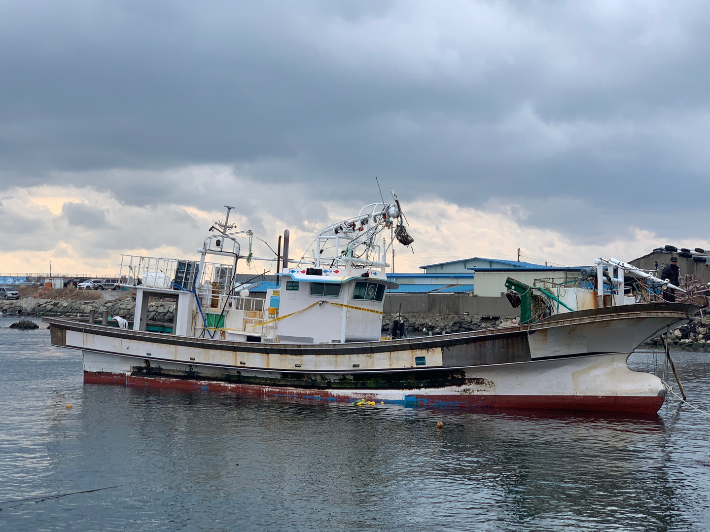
[159,272]
[249,304]
[252,308]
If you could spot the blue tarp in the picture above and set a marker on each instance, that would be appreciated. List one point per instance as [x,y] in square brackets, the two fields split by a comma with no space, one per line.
[12,280]
[261,288]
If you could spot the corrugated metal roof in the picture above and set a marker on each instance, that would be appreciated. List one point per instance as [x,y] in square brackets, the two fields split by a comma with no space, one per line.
[417,288]
[458,289]
[531,269]
[512,263]
[261,288]
[433,288]
[430,275]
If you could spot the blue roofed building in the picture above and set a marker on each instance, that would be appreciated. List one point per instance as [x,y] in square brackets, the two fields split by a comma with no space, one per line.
[419,283]
[488,276]
[475,263]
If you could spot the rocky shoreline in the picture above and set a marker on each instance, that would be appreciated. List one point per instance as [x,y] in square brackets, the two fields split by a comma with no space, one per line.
[123,307]
[695,335]
[423,324]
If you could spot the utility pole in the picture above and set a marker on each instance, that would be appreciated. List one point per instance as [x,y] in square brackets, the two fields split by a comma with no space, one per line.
[518,254]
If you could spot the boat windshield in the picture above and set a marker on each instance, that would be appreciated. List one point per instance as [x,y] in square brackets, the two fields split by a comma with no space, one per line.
[369,291]
[325,289]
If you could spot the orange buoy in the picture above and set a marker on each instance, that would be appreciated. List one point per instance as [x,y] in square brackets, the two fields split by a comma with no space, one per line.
[439,425]
[69,406]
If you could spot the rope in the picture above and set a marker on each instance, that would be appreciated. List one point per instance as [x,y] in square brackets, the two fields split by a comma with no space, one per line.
[354,308]
[313,305]
[45,497]
[286,316]
[668,387]
[250,254]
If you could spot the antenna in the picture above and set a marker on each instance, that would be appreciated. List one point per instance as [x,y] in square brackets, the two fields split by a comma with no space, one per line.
[378,186]
[225,227]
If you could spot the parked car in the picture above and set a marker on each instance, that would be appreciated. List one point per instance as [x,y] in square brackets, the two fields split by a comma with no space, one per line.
[74,282]
[8,293]
[106,284]
[111,284]
[87,285]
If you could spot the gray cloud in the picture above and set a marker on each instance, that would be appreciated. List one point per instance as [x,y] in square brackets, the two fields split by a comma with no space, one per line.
[23,231]
[603,103]
[84,215]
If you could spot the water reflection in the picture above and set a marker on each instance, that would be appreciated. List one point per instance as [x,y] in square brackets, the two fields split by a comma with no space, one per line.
[290,459]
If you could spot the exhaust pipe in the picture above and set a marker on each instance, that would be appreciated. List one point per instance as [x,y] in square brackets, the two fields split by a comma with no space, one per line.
[285,252]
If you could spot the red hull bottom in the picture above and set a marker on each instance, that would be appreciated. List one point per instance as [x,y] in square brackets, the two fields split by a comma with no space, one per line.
[626,404]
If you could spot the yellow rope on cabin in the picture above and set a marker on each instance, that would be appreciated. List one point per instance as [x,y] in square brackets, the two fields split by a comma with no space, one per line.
[355,308]
[311,306]
[284,317]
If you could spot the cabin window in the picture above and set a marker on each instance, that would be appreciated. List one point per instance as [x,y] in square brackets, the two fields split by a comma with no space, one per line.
[369,291]
[325,289]
[291,285]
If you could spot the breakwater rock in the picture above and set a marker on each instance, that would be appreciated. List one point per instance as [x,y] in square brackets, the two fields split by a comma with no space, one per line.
[124,307]
[693,335]
[24,325]
[423,324]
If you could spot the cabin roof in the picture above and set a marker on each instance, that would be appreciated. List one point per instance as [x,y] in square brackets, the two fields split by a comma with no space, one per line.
[334,277]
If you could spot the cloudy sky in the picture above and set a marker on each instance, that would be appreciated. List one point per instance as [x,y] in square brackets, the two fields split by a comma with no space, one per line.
[568,129]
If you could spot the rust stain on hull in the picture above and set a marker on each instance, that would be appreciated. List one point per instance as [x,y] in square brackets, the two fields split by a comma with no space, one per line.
[621,404]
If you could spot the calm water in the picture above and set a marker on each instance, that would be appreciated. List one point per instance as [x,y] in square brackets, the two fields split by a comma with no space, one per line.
[195,461]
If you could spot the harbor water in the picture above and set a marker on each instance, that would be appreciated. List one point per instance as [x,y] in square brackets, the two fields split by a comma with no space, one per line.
[131,458]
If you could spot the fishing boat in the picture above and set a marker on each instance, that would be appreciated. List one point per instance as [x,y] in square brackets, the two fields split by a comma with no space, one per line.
[317,333]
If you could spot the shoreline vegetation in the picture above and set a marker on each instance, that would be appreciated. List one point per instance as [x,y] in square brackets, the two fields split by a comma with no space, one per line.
[40,302]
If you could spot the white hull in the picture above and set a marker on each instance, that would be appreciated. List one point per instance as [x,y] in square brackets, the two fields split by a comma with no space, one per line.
[575,362]
[601,382]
